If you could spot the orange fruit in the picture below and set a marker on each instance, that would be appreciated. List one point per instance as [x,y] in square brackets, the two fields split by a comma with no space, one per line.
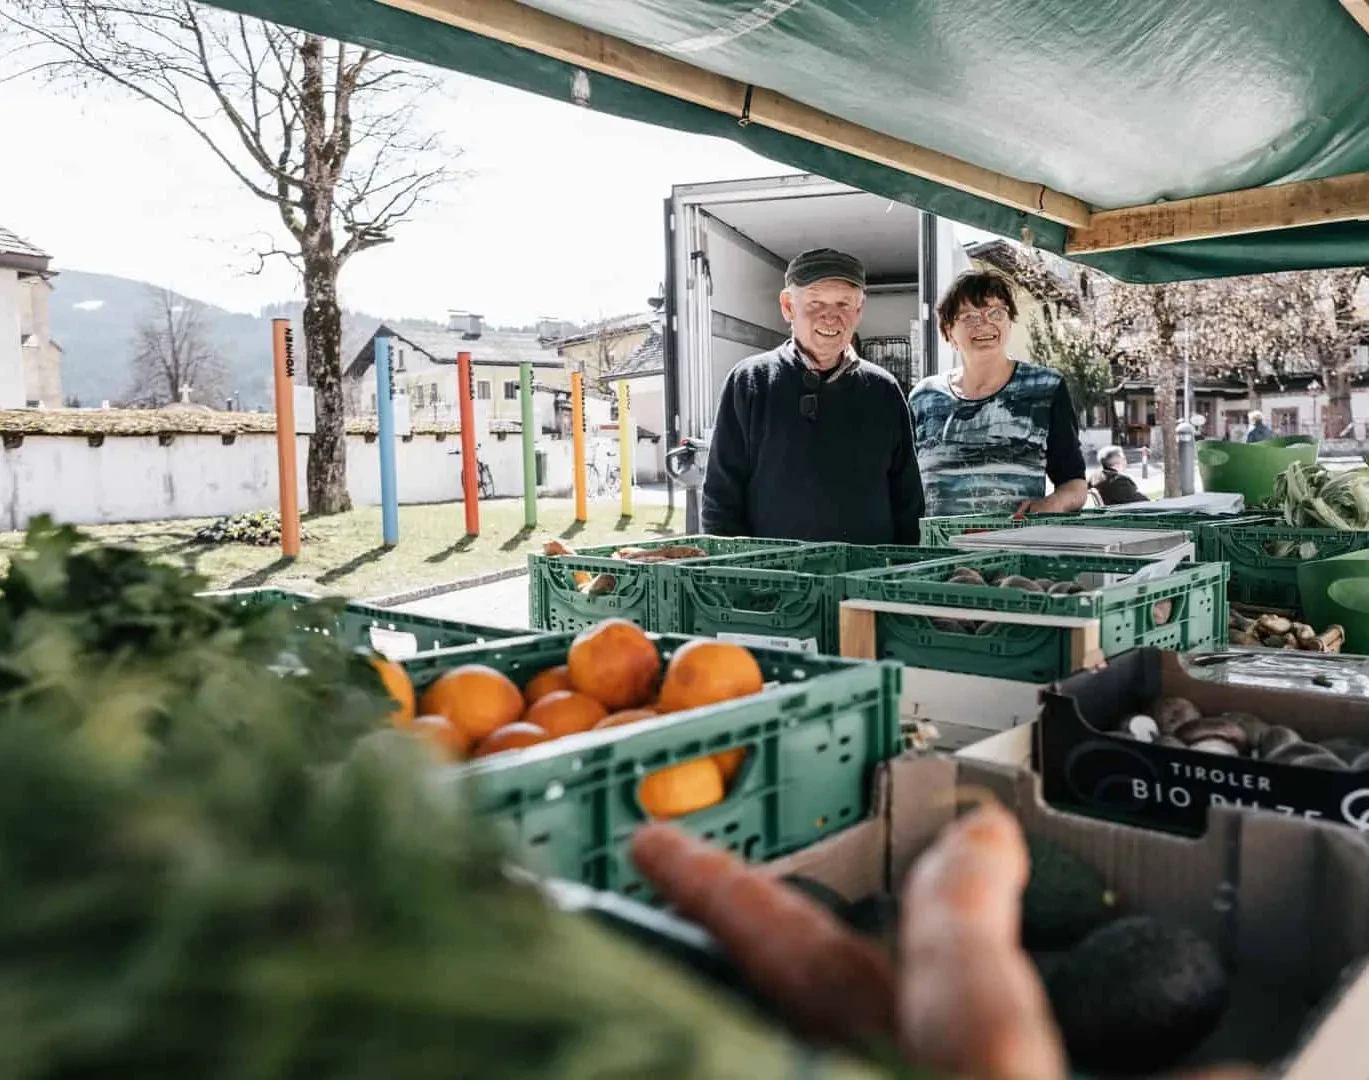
[451,740]
[730,763]
[627,716]
[474,697]
[398,686]
[705,672]
[681,789]
[615,663]
[564,712]
[544,682]
[510,737]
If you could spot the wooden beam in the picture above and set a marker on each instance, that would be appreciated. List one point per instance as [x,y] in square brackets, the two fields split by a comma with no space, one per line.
[517,24]
[1279,206]
[1359,11]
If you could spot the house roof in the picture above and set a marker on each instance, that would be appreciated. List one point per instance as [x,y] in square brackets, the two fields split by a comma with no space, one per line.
[617,326]
[646,359]
[17,253]
[494,348]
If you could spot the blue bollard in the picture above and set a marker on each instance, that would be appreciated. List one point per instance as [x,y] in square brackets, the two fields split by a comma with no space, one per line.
[385,437]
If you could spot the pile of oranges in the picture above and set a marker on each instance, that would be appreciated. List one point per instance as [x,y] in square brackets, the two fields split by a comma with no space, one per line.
[612,676]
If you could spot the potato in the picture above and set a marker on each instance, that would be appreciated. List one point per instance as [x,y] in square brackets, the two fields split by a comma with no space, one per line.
[1174,711]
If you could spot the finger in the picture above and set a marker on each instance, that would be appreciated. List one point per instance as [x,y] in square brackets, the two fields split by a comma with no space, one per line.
[827,982]
[971,1002]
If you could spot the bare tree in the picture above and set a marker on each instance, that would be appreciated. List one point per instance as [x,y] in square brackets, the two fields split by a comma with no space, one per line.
[173,352]
[325,133]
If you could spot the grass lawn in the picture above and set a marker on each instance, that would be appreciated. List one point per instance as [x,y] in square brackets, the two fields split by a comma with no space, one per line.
[343,554]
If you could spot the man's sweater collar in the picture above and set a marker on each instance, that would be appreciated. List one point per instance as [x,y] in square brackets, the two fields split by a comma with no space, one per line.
[849,360]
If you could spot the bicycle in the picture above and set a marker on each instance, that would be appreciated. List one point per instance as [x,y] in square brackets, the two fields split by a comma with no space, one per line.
[484,476]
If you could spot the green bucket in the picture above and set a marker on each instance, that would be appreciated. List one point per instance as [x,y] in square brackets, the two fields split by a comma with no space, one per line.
[1250,468]
[1336,590]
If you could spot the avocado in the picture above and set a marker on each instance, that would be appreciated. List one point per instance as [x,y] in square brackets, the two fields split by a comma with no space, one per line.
[1065,899]
[1136,996]
[875,917]
[823,895]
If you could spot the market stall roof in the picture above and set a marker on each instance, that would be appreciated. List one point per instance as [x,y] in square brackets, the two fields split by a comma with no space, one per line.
[1160,141]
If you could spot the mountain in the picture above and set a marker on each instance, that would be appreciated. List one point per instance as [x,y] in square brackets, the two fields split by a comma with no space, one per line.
[95,319]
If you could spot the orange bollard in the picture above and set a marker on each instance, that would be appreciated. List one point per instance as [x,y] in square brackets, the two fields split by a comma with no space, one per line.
[470,475]
[577,436]
[283,348]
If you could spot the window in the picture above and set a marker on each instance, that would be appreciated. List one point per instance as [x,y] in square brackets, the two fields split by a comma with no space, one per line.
[399,358]
[432,393]
[482,390]
[373,403]
[418,395]
[511,391]
[1285,421]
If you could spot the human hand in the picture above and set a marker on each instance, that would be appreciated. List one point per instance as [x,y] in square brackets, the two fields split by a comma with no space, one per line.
[963,997]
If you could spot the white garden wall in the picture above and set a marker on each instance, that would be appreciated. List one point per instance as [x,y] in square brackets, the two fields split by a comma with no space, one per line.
[135,478]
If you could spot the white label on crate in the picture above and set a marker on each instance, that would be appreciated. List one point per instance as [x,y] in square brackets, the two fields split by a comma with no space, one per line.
[762,641]
[1159,569]
[393,644]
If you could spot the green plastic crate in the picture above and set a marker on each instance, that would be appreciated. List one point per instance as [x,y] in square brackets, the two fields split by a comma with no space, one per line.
[943,531]
[1264,559]
[555,604]
[792,595]
[1039,654]
[360,624]
[569,807]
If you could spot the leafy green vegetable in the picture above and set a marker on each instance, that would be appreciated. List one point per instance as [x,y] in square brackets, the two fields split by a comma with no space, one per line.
[1311,496]
[204,874]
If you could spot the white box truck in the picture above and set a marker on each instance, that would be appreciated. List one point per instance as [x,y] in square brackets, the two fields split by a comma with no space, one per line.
[727,245]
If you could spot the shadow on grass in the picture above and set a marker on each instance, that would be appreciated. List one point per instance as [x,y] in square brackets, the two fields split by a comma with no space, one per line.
[575,528]
[623,522]
[446,553]
[518,539]
[353,565]
[258,578]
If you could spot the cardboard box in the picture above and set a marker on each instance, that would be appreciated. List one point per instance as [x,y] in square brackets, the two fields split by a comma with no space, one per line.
[1286,901]
[1086,768]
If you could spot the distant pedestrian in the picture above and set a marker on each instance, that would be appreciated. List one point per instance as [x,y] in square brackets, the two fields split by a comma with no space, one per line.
[1259,430]
[1111,482]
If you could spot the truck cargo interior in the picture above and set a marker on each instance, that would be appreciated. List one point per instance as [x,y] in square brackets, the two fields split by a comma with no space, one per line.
[731,242]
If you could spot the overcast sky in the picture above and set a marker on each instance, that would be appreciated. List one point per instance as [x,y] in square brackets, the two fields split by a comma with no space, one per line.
[562,215]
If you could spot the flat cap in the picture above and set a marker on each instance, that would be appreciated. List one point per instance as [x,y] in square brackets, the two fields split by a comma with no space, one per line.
[822,264]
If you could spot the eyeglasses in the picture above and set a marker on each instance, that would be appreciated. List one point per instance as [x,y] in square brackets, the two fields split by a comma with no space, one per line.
[808,404]
[996,315]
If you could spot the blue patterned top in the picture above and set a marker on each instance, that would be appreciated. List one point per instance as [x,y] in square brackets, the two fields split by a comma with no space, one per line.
[991,454]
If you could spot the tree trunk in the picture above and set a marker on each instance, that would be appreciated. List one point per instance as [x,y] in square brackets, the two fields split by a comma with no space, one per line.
[326,476]
[1166,415]
[1338,416]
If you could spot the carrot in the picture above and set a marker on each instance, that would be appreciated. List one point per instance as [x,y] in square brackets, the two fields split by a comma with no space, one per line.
[827,982]
[971,1001]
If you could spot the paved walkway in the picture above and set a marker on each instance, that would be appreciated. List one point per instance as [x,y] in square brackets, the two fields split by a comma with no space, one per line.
[500,603]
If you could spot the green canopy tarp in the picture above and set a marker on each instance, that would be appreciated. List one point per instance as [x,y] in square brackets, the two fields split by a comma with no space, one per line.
[1110,102]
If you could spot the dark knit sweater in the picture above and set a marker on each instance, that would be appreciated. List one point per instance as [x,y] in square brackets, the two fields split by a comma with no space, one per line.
[847,474]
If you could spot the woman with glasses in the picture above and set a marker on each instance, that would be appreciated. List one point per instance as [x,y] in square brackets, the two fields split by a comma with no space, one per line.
[991,433]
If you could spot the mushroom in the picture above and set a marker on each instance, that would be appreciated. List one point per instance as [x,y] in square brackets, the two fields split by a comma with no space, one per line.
[1307,755]
[1175,711]
[966,575]
[1017,581]
[1160,612]
[1213,727]
[1275,739]
[1066,588]
[1142,728]
[1170,741]
[1214,745]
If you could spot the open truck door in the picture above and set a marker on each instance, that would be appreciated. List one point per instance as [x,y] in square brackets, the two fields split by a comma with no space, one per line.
[727,246]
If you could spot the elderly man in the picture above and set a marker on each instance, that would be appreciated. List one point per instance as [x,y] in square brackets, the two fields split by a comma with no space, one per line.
[1112,483]
[812,442]
[1259,430]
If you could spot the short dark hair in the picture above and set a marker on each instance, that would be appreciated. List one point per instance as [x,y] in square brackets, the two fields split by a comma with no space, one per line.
[976,288]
